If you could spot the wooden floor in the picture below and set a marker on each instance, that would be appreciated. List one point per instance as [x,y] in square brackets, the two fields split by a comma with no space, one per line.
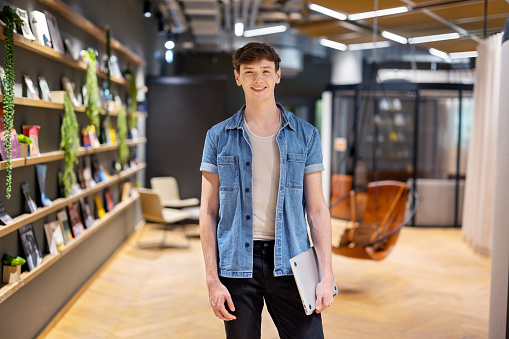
[431,286]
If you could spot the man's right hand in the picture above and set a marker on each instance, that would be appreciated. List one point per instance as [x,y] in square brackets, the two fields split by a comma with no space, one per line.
[218,296]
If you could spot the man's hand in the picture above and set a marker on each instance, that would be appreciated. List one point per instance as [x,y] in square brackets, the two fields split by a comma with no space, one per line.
[324,296]
[218,295]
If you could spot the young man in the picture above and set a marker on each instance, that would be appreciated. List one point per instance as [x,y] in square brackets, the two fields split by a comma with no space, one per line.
[261,173]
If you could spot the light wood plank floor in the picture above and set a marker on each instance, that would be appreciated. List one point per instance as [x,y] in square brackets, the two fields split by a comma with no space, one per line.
[431,286]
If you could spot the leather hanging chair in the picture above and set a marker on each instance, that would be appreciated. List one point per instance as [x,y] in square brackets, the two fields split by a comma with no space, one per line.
[376,216]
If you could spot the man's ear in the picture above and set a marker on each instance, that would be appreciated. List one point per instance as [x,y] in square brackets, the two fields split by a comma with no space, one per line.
[278,74]
[236,77]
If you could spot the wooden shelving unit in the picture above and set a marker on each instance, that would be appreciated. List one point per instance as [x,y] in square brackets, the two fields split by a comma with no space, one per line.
[7,290]
[59,155]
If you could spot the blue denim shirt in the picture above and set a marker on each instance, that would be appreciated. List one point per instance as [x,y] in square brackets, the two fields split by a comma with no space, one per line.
[227,152]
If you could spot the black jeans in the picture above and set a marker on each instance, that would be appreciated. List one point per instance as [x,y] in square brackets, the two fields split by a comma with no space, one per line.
[281,296]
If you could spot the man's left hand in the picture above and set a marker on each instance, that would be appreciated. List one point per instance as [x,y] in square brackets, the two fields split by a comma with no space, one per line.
[324,296]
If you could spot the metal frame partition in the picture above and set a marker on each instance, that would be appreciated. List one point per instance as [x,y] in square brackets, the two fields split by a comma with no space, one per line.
[403,131]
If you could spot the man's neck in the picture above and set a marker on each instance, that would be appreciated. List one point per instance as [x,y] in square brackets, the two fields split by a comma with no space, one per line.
[264,119]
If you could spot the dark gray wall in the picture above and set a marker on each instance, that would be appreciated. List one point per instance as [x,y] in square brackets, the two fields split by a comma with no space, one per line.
[29,310]
[180,111]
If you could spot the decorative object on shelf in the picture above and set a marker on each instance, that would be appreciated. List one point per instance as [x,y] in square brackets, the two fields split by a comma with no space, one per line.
[15,149]
[54,32]
[92,90]
[24,141]
[31,91]
[41,179]
[123,150]
[40,28]
[92,136]
[10,18]
[32,206]
[54,236]
[32,252]
[32,131]
[12,268]
[69,143]
[66,227]
[5,218]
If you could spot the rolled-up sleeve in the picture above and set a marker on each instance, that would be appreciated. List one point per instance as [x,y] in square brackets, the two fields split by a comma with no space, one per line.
[209,158]
[314,160]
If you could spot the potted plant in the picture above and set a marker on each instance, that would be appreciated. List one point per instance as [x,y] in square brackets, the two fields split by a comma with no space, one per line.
[12,268]
[24,141]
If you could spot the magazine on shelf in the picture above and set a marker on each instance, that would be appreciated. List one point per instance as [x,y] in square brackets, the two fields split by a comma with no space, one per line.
[45,91]
[32,206]
[5,218]
[75,219]
[108,197]
[69,88]
[41,170]
[54,32]
[92,136]
[32,131]
[25,29]
[54,236]
[66,227]
[40,28]
[99,207]
[68,48]
[86,212]
[31,90]
[30,247]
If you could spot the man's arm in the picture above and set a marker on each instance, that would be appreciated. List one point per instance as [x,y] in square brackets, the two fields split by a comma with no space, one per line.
[209,211]
[320,227]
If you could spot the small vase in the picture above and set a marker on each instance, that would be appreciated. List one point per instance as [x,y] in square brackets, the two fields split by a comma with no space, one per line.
[11,274]
[23,149]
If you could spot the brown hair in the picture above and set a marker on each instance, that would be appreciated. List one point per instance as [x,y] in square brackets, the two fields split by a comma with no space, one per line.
[255,51]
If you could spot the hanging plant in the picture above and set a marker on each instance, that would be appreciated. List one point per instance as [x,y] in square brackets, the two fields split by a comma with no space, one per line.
[131,104]
[69,143]
[9,17]
[93,108]
[123,150]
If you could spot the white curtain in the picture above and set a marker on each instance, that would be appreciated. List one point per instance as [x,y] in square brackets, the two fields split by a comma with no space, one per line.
[478,208]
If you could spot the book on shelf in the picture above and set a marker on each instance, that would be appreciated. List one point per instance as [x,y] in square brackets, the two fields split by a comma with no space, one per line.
[125,191]
[99,206]
[32,206]
[108,197]
[69,51]
[41,170]
[81,178]
[30,247]
[66,226]
[45,90]
[54,32]
[5,218]
[32,131]
[86,138]
[75,219]
[54,236]
[25,29]
[40,28]
[92,135]
[86,212]
[31,90]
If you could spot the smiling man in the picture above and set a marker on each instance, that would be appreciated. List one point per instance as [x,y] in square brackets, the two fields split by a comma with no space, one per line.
[261,174]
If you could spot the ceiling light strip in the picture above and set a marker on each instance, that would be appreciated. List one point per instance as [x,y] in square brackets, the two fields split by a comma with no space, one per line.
[379,13]
[462,55]
[439,54]
[264,31]
[431,38]
[394,37]
[368,45]
[327,11]
[333,44]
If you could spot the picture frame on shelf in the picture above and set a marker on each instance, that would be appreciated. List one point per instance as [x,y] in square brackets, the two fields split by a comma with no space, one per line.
[54,237]
[30,247]
[27,193]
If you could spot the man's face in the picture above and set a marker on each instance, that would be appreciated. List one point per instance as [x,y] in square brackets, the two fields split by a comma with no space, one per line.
[258,80]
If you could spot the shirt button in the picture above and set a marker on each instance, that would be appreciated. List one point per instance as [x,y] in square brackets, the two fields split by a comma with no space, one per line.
[248,163]
[247,190]
[248,217]
[246,244]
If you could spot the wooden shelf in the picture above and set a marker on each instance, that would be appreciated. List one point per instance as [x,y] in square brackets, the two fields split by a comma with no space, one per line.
[8,290]
[60,203]
[50,53]
[98,33]
[59,155]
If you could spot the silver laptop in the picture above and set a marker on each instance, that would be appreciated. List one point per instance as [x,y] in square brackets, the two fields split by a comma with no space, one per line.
[307,273]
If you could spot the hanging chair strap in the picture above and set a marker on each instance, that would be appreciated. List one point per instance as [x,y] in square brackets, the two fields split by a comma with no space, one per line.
[388,214]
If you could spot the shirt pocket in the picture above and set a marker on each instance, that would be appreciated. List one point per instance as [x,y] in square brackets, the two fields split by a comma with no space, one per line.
[295,171]
[228,168]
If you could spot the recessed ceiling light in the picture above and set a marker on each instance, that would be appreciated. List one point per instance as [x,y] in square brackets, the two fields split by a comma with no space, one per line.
[382,12]
[239,28]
